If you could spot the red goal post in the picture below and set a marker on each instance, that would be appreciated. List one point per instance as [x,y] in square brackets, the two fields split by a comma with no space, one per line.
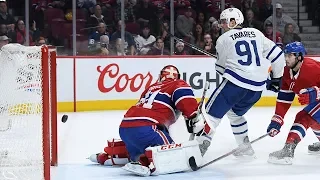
[28,111]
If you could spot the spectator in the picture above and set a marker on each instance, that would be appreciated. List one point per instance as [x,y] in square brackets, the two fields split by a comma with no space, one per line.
[215,32]
[184,26]
[268,32]
[208,24]
[145,12]
[34,31]
[201,19]
[128,38]
[88,5]
[289,36]
[117,51]
[10,34]
[21,34]
[4,40]
[266,10]
[5,17]
[158,48]
[145,40]
[41,41]
[199,37]
[251,22]
[282,20]
[180,49]
[165,35]
[157,23]
[128,12]
[95,36]
[249,4]
[209,46]
[181,4]
[96,18]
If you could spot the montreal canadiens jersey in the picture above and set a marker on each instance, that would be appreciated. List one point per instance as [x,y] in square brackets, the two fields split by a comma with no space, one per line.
[244,56]
[162,103]
[307,76]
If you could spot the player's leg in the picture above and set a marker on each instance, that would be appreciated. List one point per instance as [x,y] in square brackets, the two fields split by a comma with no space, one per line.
[115,153]
[137,140]
[239,124]
[308,117]
[315,126]
[315,147]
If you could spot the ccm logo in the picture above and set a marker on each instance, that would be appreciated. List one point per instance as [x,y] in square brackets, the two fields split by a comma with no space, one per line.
[170,146]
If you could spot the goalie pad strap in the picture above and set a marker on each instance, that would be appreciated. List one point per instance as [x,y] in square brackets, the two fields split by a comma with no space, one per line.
[116,149]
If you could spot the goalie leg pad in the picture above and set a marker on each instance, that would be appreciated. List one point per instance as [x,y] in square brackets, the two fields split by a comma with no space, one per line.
[115,154]
[173,158]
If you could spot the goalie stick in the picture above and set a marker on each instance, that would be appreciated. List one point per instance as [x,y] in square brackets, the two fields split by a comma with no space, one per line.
[206,87]
[195,167]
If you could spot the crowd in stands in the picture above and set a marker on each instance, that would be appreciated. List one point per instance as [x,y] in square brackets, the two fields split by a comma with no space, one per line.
[147,24]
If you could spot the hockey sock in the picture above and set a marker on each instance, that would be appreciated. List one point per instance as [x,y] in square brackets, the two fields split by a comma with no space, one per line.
[239,126]
[299,127]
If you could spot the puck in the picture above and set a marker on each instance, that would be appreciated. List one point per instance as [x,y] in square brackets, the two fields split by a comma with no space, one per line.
[64,118]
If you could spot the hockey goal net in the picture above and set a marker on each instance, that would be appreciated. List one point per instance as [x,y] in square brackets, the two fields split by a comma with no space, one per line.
[28,113]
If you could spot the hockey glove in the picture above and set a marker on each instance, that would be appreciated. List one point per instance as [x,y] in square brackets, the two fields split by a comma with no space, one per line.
[274,84]
[275,125]
[190,122]
[309,95]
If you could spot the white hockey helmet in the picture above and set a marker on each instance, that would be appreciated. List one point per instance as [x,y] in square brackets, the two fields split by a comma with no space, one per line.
[232,13]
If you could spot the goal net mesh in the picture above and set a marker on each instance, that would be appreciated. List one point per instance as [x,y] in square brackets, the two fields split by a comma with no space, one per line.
[21,140]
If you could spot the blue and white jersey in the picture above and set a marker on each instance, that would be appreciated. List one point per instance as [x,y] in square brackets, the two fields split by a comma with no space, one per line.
[245,56]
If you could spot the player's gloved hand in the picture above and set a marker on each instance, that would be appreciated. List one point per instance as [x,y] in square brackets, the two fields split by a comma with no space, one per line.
[191,121]
[274,84]
[309,95]
[275,125]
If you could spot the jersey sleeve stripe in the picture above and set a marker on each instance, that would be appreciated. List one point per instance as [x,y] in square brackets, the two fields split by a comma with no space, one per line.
[220,66]
[180,92]
[280,53]
[244,80]
[273,48]
[140,118]
[282,101]
[183,97]
[219,69]
[167,105]
[284,96]
[286,91]
[165,99]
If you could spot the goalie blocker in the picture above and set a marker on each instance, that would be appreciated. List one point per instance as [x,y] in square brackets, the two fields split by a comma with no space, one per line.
[157,160]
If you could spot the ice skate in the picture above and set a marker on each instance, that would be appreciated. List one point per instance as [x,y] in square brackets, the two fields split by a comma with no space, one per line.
[137,169]
[283,156]
[99,158]
[314,148]
[245,150]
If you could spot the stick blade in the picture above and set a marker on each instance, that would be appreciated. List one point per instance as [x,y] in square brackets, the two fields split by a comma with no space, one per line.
[193,164]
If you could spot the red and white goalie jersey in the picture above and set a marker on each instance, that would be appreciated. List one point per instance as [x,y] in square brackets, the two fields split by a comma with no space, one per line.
[162,103]
[306,77]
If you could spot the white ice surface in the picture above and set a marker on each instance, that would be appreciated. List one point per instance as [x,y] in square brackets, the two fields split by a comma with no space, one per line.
[87,133]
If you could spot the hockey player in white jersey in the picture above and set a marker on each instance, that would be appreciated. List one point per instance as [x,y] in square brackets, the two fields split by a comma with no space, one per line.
[244,56]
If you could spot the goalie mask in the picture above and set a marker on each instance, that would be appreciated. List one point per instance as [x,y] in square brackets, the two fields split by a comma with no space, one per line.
[169,72]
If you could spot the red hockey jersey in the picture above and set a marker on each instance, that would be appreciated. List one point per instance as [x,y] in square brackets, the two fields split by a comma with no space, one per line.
[162,103]
[307,76]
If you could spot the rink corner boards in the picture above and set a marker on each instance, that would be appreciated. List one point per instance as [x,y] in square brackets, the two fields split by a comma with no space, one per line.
[265,101]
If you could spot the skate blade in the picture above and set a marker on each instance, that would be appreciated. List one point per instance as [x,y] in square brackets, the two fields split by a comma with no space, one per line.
[313,152]
[283,161]
[137,169]
[246,157]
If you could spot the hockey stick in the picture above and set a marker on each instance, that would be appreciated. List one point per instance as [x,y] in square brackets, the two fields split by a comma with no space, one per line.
[206,87]
[195,167]
[189,44]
